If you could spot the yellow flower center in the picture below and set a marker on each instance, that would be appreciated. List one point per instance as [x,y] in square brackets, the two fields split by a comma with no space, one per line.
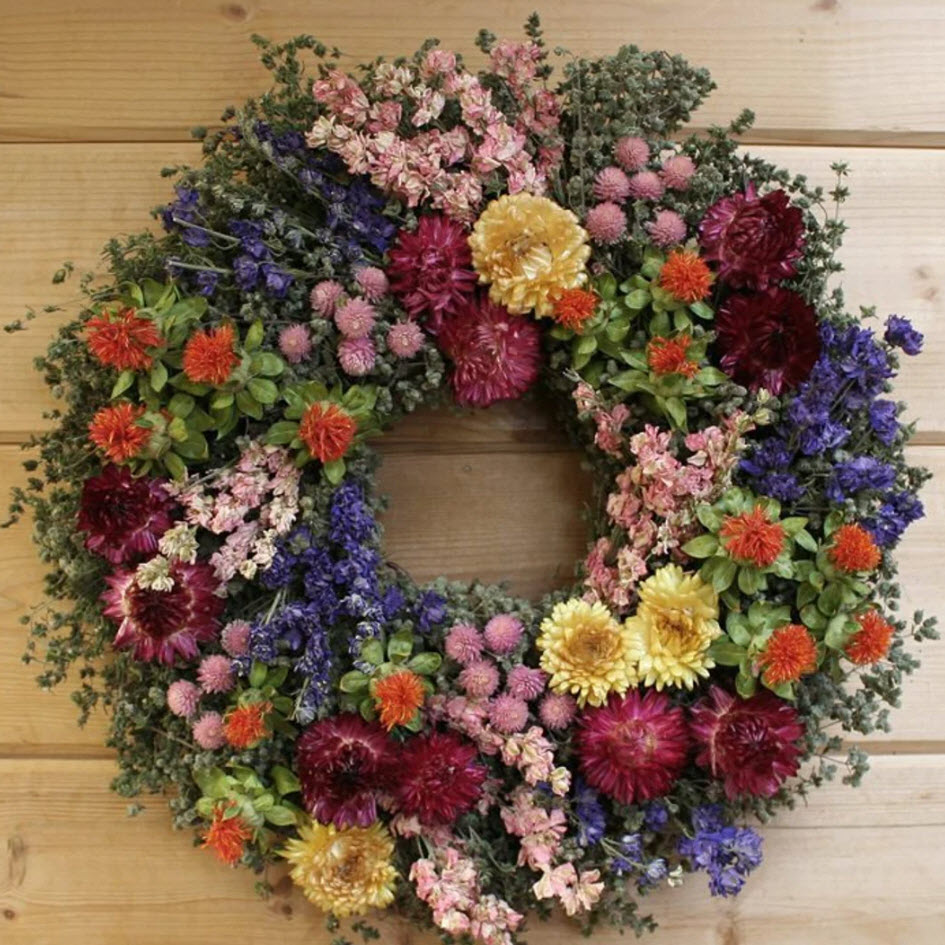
[594,644]
[677,631]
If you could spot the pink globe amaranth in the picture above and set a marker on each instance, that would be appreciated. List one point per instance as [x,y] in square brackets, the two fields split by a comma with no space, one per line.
[215,674]
[357,356]
[325,296]
[632,153]
[503,633]
[235,638]
[183,698]
[755,241]
[355,318]
[612,184]
[557,711]
[749,744]
[295,343]
[208,731]
[526,682]
[372,282]
[606,223]
[666,229]
[464,644]
[508,714]
[479,679]
[646,185]
[634,747]
[405,339]
[677,171]
[162,625]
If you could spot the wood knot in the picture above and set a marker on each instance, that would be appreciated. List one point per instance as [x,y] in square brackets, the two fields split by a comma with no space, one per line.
[9,914]
[825,6]
[235,12]
[16,868]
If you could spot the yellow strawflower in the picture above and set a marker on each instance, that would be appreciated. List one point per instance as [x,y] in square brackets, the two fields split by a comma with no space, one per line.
[529,250]
[675,623]
[343,871]
[586,652]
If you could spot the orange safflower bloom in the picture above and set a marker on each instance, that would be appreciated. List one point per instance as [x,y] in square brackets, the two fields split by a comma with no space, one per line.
[686,276]
[790,653]
[573,307]
[209,357]
[121,339]
[398,697]
[750,538]
[226,836]
[871,642]
[327,431]
[853,549]
[246,725]
[115,432]
[669,356]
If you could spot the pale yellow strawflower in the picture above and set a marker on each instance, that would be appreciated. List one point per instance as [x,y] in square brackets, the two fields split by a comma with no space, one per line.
[529,250]
[343,871]
[586,652]
[675,623]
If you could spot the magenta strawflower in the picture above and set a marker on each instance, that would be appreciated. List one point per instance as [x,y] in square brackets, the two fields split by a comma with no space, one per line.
[183,697]
[677,171]
[606,223]
[557,711]
[235,638]
[479,679]
[666,229]
[324,297]
[646,185]
[295,343]
[372,282]
[750,744]
[357,356]
[526,682]
[216,674]
[633,747]
[355,318]
[503,633]
[464,644]
[495,355]
[208,731]
[507,714]
[632,153]
[404,339]
[611,184]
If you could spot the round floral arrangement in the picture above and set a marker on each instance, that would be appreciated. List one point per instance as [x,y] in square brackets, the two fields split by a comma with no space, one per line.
[357,246]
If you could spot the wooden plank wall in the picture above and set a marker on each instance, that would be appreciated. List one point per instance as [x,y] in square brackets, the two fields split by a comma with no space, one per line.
[97,95]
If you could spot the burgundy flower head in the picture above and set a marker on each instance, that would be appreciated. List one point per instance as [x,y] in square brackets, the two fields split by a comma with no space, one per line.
[430,269]
[123,516]
[633,747]
[755,241]
[495,355]
[439,778]
[344,762]
[751,744]
[768,339]
[163,624]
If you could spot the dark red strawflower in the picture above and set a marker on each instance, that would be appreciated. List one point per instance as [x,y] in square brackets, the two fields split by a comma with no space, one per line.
[755,241]
[162,624]
[495,355]
[121,339]
[430,269]
[633,747]
[439,778]
[750,744]
[344,763]
[768,339]
[123,516]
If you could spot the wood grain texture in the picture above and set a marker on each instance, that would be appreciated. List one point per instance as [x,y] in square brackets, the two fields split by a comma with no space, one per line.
[834,72]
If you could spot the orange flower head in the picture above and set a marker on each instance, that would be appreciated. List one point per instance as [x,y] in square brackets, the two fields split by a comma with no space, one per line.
[398,697]
[246,725]
[573,307]
[226,836]
[750,538]
[853,549]
[686,276]
[871,642]
[791,653]
[327,431]
[209,357]
[669,356]
[121,339]
[115,432]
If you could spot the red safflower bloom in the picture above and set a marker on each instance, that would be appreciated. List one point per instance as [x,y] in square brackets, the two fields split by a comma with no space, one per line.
[226,836]
[430,270]
[752,538]
[122,515]
[853,549]
[327,431]
[668,356]
[755,241]
[495,355]
[573,307]
[209,357]
[871,642]
[398,697]
[789,654]
[245,725]
[343,764]
[439,778]
[160,625]
[686,276]
[115,432]
[750,744]
[121,339]
[768,339]
[634,747]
